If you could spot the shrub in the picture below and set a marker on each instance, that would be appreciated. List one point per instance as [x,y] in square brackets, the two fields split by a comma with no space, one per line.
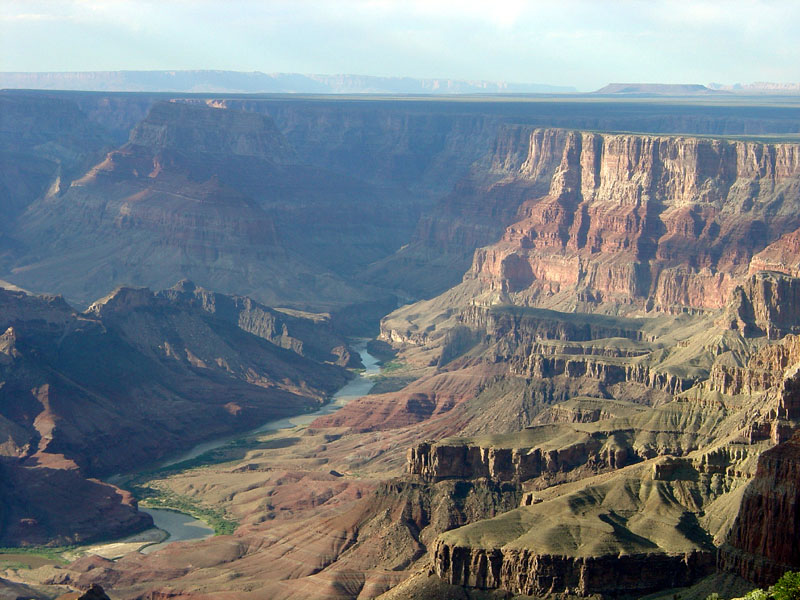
[787,587]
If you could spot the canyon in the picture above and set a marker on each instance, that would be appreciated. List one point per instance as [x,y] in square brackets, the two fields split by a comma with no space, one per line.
[589,342]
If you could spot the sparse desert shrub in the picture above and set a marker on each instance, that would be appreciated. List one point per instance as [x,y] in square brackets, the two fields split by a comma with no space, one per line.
[757,595]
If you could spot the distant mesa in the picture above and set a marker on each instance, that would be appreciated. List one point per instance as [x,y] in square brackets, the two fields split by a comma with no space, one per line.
[659,89]
[695,89]
[255,82]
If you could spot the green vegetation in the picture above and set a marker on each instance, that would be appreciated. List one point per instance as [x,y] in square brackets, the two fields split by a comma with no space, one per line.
[384,385]
[157,498]
[30,557]
[786,588]
[392,366]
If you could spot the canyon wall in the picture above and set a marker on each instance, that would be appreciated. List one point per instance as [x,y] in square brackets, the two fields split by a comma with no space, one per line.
[658,222]
[763,543]
[219,196]
[527,572]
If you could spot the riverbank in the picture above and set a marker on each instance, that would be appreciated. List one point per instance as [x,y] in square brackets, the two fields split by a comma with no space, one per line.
[196,521]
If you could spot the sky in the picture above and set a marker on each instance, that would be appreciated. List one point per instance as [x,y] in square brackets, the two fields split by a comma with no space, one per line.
[581,43]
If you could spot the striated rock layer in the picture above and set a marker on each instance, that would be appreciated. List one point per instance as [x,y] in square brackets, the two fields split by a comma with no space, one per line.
[529,573]
[655,221]
[763,543]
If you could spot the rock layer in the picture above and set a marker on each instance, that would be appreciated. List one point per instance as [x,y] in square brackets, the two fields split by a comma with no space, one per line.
[662,222]
[763,543]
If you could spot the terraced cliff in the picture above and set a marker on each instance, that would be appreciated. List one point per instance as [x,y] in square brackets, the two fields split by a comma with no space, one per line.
[590,411]
[643,311]
[663,223]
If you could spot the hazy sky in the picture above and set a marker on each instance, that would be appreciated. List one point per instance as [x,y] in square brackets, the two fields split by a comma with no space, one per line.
[583,43]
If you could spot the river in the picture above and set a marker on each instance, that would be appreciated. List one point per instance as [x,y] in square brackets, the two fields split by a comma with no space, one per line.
[182,527]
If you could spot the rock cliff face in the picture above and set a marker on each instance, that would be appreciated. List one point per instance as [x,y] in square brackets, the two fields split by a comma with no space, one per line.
[527,573]
[763,543]
[766,303]
[56,505]
[311,335]
[659,222]
[579,544]
[518,166]
[443,461]
[45,143]
[185,128]
[559,451]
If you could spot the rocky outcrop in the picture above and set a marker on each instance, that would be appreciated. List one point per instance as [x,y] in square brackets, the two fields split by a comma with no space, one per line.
[137,362]
[53,505]
[522,339]
[782,256]
[182,127]
[95,592]
[527,572]
[766,369]
[136,376]
[581,541]
[45,142]
[662,222]
[763,543]
[498,462]
[765,304]
[474,213]
[528,325]
[310,335]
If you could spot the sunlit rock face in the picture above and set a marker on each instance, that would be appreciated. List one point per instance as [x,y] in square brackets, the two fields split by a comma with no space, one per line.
[659,222]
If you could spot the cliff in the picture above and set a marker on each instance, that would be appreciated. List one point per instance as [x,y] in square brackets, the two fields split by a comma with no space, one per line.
[765,304]
[547,450]
[308,335]
[56,505]
[45,143]
[582,542]
[186,128]
[659,222]
[763,543]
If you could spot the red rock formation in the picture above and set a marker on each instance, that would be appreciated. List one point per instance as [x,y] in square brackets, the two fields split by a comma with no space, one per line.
[217,195]
[43,505]
[424,399]
[672,221]
[782,256]
[763,542]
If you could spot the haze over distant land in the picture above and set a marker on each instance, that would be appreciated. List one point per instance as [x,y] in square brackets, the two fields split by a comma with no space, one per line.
[257,82]
[582,43]
[689,89]
[235,82]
